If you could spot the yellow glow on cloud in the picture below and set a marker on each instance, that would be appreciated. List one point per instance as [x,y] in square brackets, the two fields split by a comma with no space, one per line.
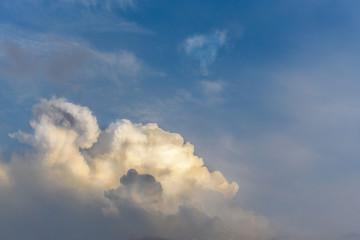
[149,149]
[62,129]
[71,152]
[4,178]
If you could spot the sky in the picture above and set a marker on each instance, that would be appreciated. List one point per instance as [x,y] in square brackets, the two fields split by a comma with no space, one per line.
[171,120]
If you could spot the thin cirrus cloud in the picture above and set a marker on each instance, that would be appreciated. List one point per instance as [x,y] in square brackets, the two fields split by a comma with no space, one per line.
[99,16]
[204,48]
[129,181]
[77,16]
[105,4]
[108,4]
[212,92]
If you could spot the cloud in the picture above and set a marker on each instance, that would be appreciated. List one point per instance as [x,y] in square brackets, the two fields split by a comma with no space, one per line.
[212,92]
[204,48]
[212,87]
[61,129]
[73,172]
[4,178]
[352,236]
[77,16]
[44,57]
[91,4]
[159,153]
[106,4]
[140,189]
[148,238]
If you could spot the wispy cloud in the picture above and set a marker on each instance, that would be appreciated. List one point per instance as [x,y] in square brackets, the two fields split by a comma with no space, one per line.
[212,92]
[62,60]
[103,4]
[77,16]
[204,48]
[212,87]
[108,4]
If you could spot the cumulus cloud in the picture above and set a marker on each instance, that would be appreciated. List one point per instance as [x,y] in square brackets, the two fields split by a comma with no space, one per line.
[204,48]
[129,181]
[61,129]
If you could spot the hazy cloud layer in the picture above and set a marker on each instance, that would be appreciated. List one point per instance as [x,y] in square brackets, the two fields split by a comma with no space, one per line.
[128,181]
[76,16]
[4,179]
[62,61]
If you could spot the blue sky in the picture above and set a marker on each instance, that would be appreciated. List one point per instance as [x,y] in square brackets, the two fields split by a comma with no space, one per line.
[266,91]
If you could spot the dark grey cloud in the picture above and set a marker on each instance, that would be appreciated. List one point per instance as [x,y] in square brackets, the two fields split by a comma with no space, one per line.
[64,64]
[17,63]
[352,236]
[189,222]
[148,238]
[140,188]
[23,63]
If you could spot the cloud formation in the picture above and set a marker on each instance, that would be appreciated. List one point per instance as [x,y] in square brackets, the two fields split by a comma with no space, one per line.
[204,48]
[4,179]
[61,60]
[128,181]
[212,87]
[138,189]
[107,4]
[77,16]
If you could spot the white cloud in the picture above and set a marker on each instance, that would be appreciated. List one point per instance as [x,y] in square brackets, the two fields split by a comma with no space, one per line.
[204,48]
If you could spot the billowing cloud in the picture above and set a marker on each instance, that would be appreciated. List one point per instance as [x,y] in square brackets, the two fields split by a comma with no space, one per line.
[204,48]
[129,181]
[61,129]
